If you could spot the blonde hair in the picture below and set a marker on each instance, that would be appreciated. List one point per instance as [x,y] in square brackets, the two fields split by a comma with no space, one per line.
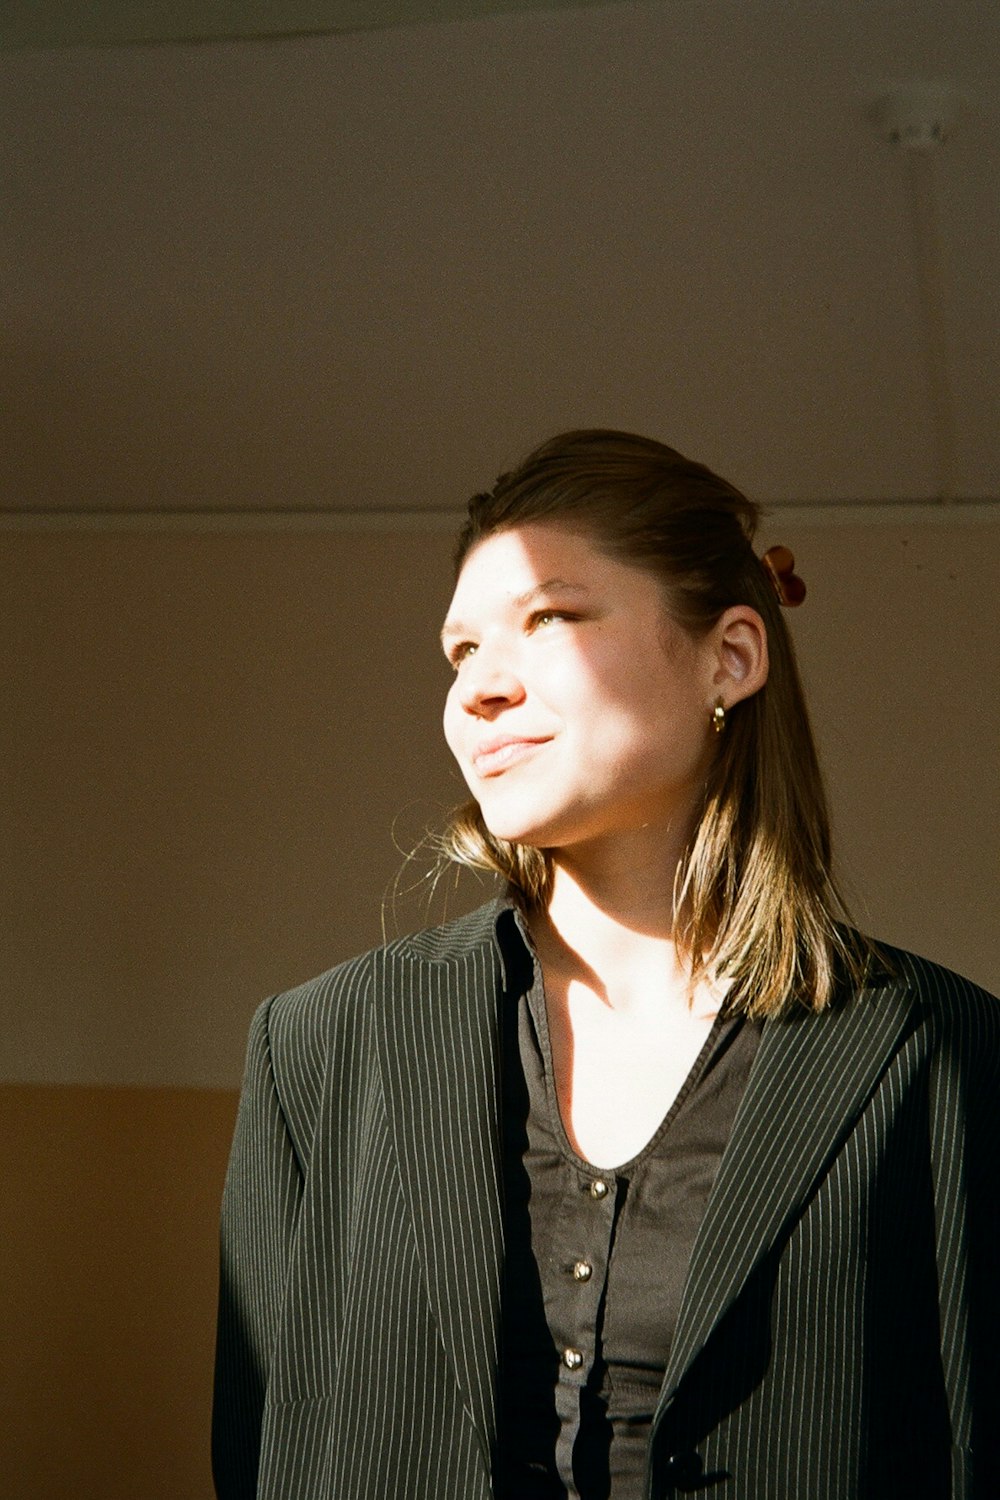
[755,896]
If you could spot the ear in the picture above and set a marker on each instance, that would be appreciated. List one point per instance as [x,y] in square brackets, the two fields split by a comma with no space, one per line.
[739,659]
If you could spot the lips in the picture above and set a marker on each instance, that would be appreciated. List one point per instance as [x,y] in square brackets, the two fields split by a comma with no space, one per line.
[495,756]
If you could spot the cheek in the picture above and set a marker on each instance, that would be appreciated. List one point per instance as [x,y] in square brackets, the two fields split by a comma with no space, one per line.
[662,711]
[451,719]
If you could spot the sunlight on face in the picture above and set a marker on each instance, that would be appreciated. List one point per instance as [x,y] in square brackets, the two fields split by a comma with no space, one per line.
[578,708]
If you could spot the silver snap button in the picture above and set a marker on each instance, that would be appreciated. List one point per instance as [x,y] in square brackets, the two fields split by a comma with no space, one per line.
[572,1359]
[598,1188]
[582,1270]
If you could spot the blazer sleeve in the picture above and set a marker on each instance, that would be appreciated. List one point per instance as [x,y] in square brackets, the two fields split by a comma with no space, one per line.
[965,1159]
[259,1213]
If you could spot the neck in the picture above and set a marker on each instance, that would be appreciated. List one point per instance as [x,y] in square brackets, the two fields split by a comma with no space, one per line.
[610,920]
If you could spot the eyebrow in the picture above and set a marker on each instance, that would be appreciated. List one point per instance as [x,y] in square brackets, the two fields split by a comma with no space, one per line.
[453,628]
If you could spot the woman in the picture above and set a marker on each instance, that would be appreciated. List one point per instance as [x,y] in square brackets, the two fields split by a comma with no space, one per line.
[651,1176]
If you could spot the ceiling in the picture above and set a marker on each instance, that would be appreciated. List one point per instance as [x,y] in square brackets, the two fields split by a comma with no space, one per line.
[104,23]
[364,272]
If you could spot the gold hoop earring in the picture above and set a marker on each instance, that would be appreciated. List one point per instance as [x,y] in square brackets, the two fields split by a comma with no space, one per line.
[718,717]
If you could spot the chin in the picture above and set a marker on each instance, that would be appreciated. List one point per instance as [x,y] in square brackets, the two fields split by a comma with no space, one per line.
[514,833]
[536,833]
[505,824]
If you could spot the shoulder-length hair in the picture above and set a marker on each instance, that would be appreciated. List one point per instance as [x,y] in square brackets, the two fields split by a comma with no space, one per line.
[755,900]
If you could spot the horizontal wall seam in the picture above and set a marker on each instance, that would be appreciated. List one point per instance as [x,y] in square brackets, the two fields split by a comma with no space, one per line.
[825,512]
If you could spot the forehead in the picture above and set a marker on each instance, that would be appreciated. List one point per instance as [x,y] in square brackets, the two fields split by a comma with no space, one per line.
[520,558]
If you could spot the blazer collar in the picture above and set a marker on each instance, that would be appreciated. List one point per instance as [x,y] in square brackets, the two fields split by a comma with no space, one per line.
[810,1079]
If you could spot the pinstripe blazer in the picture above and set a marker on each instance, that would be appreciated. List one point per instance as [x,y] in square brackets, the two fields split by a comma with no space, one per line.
[839,1332]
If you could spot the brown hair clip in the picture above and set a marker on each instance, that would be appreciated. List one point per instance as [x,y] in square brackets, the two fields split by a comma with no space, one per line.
[779,565]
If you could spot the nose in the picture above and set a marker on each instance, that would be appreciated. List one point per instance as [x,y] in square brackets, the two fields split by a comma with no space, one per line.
[487,685]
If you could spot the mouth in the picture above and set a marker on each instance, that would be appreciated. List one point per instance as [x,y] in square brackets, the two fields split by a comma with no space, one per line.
[493,757]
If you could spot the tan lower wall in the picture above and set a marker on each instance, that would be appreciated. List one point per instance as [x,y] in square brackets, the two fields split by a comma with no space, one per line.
[108,1234]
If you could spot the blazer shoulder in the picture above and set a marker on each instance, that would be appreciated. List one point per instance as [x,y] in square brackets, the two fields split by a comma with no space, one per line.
[962,1012]
[300,1022]
[461,938]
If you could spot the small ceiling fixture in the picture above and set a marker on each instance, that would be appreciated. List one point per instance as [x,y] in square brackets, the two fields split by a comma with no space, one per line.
[917,114]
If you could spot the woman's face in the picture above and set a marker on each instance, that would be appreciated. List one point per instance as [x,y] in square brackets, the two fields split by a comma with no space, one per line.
[579,709]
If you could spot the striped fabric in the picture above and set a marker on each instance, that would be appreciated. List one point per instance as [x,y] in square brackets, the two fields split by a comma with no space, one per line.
[839,1334]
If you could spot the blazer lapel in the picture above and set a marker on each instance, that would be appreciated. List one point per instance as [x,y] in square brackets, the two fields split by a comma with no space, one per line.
[811,1077]
[440,1067]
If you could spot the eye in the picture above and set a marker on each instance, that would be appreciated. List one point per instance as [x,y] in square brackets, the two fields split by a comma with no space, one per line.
[548,617]
[457,654]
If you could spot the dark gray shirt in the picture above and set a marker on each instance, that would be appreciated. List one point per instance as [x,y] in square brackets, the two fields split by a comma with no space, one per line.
[595,1260]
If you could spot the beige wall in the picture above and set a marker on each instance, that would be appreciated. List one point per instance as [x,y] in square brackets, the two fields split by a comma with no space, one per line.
[209,739]
[212,741]
[899,643]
